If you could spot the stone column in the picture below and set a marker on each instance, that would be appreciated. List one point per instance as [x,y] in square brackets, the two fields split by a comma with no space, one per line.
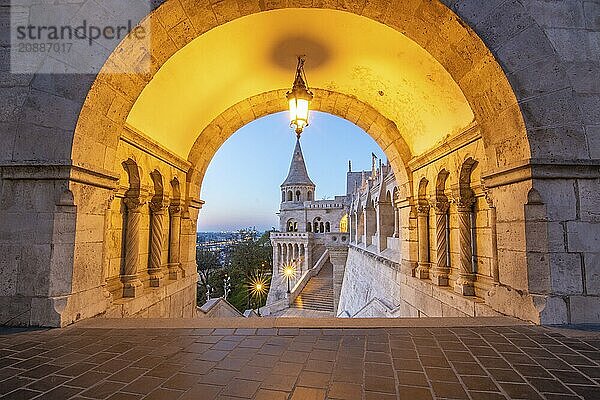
[492,217]
[396,222]
[174,239]
[155,268]
[106,248]
[132,286]
[276,258]
[465,282]
[423,234]
[307,265]
[442,268]
[338,254]
[370,225]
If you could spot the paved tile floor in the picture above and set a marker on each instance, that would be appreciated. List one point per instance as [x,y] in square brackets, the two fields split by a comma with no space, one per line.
[519,362]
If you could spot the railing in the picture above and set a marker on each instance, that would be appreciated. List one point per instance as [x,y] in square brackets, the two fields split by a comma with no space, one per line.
[389,312]
[291,235]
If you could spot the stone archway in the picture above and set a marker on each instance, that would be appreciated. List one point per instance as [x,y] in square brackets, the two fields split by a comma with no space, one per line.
[497,69]
[383,131]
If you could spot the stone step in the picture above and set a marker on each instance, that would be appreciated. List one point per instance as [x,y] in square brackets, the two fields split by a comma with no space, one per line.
[317,294]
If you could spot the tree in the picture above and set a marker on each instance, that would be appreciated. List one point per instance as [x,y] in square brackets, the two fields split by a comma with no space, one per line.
[250,257]
[209,271]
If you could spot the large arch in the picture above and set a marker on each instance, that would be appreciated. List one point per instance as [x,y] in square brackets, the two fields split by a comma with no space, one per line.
[497,69]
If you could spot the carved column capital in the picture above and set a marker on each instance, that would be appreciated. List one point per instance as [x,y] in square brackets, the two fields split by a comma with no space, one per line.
[159,205]
[489,199]
[175,209]
[134,204]
[423,208]
[441,207]
[465,203]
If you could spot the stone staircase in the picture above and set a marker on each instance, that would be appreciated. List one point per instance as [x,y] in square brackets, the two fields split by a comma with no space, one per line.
[317,295]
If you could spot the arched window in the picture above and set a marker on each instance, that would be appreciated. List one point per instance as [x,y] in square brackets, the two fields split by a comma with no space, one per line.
[309,196]
[282,196]
[317,225]
[308,227]
[327,227]
[289,196]
[292,226]
[321,227]
[344,224]
[298,194]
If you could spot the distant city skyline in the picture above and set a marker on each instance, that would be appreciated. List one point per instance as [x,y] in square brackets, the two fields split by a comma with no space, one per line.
[241,185]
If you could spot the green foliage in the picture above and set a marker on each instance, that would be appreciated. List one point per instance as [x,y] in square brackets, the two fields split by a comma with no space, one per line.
[250,258]
[210,272]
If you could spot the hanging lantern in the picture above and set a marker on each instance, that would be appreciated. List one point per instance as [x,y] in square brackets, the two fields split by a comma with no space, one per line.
[299,99]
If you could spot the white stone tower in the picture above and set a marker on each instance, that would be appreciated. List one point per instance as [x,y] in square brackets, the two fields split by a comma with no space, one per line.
[295,190]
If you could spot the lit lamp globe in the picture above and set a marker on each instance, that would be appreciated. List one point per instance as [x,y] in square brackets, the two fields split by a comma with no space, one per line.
[299,99]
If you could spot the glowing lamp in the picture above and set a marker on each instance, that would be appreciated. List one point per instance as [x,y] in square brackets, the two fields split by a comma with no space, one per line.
[299,99]
[289,271]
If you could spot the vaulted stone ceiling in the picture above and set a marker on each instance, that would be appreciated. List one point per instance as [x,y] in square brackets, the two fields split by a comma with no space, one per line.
[345,53]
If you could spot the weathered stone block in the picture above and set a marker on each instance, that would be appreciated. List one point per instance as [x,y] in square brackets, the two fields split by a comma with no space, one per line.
[557,13]
[582,76]
[589,200]
[565,142]
[591,263]
[566,273]
[553,109]
[9,269]
[559,197]
[526,48]
[583,237]
[593,136]
[591,12]
[590,107]
[584,309]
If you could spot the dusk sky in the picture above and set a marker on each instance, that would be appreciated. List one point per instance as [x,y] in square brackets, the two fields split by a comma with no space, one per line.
[241,186]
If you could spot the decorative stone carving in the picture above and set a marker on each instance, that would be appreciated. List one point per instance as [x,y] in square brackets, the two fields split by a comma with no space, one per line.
[442,268]
[155,267]
[132,285]
[465,282]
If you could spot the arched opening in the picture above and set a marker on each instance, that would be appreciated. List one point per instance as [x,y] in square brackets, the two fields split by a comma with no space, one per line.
[309,196]
[292,225]
[191,146]
[298,195]
[290,195]
[344,224]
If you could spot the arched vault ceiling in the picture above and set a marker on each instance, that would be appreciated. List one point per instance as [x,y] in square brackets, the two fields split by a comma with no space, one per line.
[346,53]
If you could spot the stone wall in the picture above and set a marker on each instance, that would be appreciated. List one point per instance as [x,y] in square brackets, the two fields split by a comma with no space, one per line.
[526,68]
[177,300]
[375,286]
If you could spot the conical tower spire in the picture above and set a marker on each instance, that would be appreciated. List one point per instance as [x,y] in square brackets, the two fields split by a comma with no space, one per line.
[298,175]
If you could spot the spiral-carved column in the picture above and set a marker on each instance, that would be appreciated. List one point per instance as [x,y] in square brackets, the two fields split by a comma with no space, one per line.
[131,282]
[155,268]
[465,283]
[442,269]
[423,234]
[175,234]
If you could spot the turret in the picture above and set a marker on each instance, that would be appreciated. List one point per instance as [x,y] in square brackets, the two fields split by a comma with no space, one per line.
[297,187]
